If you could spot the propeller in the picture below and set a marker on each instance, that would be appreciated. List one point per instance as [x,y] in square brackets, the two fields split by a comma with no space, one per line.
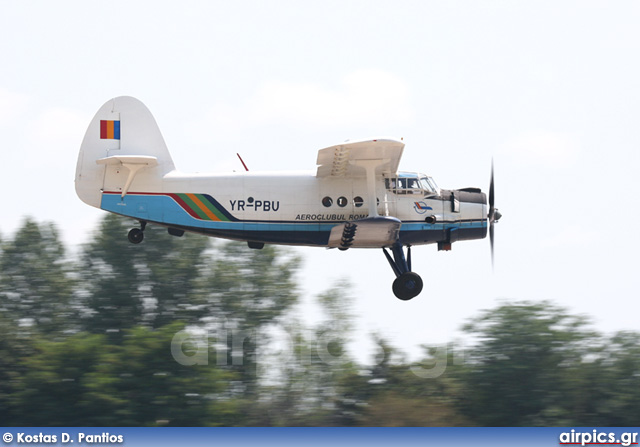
[494,215]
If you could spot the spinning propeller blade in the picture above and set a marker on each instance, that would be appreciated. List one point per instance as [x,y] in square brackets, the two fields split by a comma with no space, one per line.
[494,215]
[491,195]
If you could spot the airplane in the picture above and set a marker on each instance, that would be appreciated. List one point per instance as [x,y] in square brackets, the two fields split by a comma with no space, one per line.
[355,198]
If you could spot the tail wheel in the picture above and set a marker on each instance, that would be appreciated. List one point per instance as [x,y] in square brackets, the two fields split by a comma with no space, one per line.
[136,235]
[407,286]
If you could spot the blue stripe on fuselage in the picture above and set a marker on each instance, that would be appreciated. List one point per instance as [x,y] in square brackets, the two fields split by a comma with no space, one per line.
[164,210]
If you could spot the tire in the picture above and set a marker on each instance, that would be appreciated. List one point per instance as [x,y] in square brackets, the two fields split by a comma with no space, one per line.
[135,235]
[407,286]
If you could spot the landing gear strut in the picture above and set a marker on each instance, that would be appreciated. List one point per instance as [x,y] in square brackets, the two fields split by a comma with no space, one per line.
[407,284]
[136,235]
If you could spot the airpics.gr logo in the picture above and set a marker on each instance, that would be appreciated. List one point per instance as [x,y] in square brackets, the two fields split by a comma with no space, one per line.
[598,437]
[421,207]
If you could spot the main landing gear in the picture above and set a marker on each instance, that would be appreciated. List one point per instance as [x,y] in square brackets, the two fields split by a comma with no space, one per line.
[407,284]
[136,235]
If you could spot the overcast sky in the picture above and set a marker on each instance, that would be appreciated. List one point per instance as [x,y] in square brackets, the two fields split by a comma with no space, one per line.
[549,89]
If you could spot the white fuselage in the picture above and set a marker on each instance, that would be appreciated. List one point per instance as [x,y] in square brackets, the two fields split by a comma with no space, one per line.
[285,207]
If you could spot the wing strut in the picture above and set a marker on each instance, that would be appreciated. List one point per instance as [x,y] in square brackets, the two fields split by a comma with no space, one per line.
[370,168]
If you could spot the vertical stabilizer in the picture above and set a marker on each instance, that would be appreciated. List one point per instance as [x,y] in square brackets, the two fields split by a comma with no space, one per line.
[122,129]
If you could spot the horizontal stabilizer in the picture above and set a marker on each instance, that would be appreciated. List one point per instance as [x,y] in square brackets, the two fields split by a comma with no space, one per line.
[372,232]
[146,160]
[134,163]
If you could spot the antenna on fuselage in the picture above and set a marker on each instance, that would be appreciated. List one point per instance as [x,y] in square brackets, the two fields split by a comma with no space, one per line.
[242,161]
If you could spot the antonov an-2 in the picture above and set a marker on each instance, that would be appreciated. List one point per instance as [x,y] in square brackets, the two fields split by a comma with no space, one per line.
[356,198]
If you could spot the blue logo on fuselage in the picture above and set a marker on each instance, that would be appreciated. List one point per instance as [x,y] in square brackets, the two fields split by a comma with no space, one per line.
[421,207]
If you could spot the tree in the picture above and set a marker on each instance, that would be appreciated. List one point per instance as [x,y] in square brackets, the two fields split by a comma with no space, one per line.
[244,292]
[151,283]
[525,357]
[35,281]
[86,381]
[51,390]
[312,369]
[401,393]
[143,384]
[14,346]
[620,374]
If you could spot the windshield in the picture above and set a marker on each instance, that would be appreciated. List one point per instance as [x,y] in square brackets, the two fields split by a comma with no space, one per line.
[426,185]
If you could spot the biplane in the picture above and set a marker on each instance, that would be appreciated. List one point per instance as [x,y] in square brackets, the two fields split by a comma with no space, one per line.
[355,198]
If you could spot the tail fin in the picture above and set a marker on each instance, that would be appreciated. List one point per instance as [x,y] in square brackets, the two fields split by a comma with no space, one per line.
[123,149]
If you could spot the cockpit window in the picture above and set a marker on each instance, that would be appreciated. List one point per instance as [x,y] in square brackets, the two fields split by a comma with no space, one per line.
[410,184]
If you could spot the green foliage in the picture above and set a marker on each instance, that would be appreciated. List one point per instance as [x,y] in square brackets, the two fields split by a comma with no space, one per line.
[244,292]
[313,368]
[619,393]
[14,346]
[35,282]
[135,383]
[249,288]
[396,393]
[55,378]
[152,283]
[145,385]
[520,368]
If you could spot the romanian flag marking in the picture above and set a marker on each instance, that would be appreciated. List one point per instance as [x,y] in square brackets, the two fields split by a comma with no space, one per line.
[109,130]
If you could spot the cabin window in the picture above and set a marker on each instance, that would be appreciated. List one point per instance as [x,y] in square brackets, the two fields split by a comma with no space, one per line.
[327,201]
[357,201]
[342,202]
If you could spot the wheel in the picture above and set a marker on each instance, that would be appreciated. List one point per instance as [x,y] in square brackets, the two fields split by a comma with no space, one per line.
[135,235]
[407,286]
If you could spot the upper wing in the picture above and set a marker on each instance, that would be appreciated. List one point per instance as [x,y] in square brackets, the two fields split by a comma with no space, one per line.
[340,160]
